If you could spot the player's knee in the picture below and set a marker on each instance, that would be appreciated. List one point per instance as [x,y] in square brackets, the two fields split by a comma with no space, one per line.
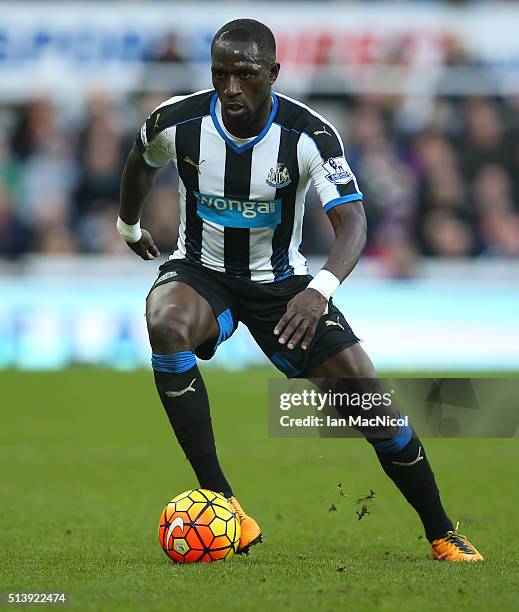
[168,329]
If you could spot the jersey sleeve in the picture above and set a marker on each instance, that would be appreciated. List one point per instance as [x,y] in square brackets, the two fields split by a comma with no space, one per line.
[323,155]
[155,141]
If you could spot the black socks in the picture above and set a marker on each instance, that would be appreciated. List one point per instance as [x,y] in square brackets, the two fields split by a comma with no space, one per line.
[404,460]
[184,397]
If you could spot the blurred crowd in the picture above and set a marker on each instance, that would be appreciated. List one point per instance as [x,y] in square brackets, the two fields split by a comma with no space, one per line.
[445,186]
[440,177]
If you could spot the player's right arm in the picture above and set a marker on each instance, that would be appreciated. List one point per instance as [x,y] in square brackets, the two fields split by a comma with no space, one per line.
[137,181]
[152,150]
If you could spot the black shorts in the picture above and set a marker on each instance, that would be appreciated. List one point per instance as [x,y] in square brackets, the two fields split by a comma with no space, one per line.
[260,306]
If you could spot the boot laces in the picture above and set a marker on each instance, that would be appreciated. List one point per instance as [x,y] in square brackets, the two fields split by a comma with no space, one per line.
[237,508]
[459,540]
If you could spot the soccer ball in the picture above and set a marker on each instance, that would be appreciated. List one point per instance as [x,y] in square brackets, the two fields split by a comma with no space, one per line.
[199,525]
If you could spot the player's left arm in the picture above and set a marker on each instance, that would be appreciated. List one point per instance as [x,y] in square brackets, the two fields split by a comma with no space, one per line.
[350,227]
[342,201]
[306,308]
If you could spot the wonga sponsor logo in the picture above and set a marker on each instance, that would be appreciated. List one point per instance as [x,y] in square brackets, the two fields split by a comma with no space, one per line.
[237,212]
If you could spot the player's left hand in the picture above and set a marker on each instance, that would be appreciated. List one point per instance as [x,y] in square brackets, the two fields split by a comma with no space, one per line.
[301,318]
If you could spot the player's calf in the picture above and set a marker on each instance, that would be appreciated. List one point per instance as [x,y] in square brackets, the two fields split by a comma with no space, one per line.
[179,382]
[403,459]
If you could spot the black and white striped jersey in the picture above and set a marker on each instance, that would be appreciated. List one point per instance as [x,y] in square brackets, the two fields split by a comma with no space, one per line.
[242,200]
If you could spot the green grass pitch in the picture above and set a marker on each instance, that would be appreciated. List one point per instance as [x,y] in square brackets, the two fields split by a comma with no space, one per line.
[88,463]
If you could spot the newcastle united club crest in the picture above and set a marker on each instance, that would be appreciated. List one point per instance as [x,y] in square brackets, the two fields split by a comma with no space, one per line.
[278,176]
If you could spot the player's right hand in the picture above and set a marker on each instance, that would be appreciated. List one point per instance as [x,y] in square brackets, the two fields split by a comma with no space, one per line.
[145,247]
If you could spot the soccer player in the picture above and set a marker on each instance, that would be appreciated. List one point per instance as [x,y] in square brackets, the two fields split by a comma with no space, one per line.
[245,157]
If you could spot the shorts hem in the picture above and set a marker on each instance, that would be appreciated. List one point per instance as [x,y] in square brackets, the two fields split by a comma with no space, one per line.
[335,350]
[206,350]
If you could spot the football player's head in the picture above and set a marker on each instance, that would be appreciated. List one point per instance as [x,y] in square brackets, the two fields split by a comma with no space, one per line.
[243,67]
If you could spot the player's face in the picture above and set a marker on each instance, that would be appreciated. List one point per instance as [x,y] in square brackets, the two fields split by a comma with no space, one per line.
[243,81]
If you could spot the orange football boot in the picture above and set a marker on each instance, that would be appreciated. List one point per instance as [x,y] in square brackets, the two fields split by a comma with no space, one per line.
[250,530]
[454,547]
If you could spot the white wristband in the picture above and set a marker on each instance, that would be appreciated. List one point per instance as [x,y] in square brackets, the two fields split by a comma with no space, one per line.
[131,233]
[325,282]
